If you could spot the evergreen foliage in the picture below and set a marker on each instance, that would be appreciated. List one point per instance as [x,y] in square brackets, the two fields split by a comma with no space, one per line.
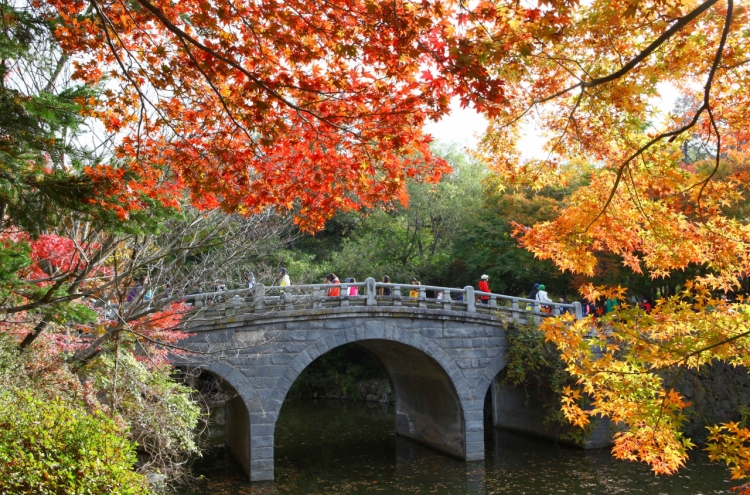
[40,168]
[43,129]
[486,244]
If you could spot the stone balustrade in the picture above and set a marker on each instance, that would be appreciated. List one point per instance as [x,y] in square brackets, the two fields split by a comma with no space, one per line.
[263,299]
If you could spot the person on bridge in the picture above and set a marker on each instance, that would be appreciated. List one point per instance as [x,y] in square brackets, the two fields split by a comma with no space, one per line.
[564,310]
[484,286]
[645,305]
[542,296]
[534,291]
[333,279]
[284,278]
[588,308]
[414,293]
[610,304]
[385,291]
[353,290]
[251,286]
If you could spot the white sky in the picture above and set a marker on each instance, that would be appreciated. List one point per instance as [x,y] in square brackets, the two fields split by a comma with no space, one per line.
[464,126]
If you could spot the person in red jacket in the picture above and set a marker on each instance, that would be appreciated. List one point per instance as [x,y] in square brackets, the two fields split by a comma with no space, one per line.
[484,286]
[645,305]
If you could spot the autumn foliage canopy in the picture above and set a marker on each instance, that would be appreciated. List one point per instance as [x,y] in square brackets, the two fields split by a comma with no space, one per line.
[662,189]
[315,107]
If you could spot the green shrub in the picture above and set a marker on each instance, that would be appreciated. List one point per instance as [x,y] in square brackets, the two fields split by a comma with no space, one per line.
[52,446]
[161,415]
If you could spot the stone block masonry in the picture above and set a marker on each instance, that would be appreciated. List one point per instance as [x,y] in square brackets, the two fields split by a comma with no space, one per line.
[440,365]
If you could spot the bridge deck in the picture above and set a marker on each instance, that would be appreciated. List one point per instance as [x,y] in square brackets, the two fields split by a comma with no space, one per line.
[261,301]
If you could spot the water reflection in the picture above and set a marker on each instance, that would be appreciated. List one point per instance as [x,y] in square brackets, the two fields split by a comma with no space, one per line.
[346,447]
[519,464]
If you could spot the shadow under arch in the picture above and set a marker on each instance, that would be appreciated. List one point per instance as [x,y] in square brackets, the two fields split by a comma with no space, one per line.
[428,407]
[428,387]
[237,431]
[490,375]
[516,408]
[525,409]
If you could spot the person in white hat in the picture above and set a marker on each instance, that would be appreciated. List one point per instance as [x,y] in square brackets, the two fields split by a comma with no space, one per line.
[484,286]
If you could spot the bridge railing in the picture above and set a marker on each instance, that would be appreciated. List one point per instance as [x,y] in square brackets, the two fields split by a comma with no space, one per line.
[264,299]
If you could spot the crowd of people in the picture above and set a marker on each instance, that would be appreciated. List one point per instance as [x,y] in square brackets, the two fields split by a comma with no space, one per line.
[588,308]
[142,291]
[537,293]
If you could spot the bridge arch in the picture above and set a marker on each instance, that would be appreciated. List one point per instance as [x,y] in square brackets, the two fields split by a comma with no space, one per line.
[431,393]
[237,409]
[492,371]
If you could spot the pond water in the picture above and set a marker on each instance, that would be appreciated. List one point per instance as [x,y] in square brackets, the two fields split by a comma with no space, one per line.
[350,447]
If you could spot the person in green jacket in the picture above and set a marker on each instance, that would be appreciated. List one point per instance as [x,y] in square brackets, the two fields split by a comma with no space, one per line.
[611,304]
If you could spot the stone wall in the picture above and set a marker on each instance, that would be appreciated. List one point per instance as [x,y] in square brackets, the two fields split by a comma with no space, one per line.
[522,410]
[717,393]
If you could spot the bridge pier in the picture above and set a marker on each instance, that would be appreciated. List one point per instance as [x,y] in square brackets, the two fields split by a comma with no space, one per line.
[237,431]
[262,426]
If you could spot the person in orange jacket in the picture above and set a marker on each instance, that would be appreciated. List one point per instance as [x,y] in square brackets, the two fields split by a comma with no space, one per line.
[333,291]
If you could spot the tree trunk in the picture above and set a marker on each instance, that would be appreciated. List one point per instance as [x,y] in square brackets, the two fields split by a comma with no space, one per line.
[38,329]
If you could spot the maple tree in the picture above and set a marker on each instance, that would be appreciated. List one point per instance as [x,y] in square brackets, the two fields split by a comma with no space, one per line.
[311,107]
[590,77]
[67,268]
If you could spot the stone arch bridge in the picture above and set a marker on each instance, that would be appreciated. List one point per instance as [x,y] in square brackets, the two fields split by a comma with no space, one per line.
[441,352]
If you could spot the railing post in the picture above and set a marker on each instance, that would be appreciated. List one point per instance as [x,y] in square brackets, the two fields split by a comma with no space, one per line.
[536,310]
[397,295]
[514,310]
[447,300]
[317,298]
[344,297]
[422,298]
[371,295]
[471,306]
[260,296]
[578,310]
[493,302]
[287,299]
[556,310]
